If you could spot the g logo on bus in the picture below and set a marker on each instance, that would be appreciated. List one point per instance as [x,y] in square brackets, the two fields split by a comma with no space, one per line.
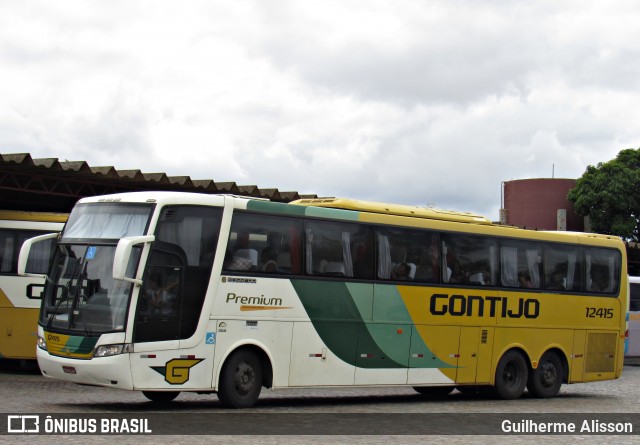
[176,371]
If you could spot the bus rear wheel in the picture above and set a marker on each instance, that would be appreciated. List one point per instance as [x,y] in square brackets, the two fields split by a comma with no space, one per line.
[161,396]
[511,376]
[545,381]
[240,380]
[434,392]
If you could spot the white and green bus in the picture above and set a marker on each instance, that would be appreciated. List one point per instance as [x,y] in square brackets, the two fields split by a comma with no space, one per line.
[165,292]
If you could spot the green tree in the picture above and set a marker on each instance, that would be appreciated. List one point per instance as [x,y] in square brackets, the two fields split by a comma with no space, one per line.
[609,194]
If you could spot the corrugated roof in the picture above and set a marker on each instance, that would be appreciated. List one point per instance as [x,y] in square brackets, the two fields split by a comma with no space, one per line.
[48,184]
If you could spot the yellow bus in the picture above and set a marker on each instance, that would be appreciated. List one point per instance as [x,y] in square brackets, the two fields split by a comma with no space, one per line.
[169,292]
[20,296]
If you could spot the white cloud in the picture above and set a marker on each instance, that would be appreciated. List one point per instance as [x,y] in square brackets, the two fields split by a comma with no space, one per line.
[404,101]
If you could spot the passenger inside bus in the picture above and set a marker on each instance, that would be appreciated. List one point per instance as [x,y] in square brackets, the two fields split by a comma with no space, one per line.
[403,272]
[556,281]
[455,271]
[599,279]
[160,300]
[524,280]
[243,256]
[268,259]
[427,264]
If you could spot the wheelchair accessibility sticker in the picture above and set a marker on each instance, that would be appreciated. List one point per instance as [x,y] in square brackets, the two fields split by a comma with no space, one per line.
[211,338]
[91,253]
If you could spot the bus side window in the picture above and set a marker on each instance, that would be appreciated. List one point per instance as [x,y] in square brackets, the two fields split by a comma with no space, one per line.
[470,260]
[264,244]
[520,263]
[407,255]
[602,268]
[563,267]
[339,250]
[634,304]
[10,243]
[7,241]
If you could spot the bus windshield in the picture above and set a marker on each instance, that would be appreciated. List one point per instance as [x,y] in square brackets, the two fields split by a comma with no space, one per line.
[107,221]
[81,295]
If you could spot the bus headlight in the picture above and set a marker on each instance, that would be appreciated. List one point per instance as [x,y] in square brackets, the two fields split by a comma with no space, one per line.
[110,350]
[42,343]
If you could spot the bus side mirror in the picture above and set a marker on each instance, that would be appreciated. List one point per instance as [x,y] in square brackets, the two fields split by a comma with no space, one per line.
[123,255]
[23,259]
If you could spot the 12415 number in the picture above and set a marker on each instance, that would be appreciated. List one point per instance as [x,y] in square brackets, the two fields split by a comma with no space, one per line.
[593,312]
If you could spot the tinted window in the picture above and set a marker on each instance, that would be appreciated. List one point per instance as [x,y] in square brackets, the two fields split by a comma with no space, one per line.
[469,259]
[10,243]
[520,264]
[268,244]
[407,255]
[563,266]
[160,303]
[194,229]
[635,297]
[341,250]
[603,268]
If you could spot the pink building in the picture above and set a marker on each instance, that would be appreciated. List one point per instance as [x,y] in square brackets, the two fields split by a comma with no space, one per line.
[540,204]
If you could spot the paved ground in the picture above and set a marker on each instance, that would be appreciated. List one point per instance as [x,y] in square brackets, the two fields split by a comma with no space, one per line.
[28,392]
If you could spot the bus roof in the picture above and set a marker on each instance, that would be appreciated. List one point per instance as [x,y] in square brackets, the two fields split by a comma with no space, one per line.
[19,215]
[394,209]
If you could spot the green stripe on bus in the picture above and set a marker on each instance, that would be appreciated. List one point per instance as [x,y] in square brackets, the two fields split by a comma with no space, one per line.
[275,207]
[336,317]
[361,333]
[81,345]
[393,329]
[298,210]
[344,215]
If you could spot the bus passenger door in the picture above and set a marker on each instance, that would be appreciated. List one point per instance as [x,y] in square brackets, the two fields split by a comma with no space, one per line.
[156,334]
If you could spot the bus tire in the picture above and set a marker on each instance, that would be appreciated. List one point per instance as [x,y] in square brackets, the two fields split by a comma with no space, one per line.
[511,376]
[240,380]
[545,381]
[434,392]
[161,396]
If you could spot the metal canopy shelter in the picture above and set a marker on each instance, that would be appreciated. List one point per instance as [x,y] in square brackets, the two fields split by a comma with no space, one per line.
[51,185]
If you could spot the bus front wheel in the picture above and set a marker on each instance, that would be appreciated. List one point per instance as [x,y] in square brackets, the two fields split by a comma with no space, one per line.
[511,376]
[240,380]
[546,379]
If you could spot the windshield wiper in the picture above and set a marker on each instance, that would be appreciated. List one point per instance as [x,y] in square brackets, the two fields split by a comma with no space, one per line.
[81,312]
[67,294]
[78,295]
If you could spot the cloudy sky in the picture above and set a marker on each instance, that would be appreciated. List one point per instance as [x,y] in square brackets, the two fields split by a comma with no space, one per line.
[417,102]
